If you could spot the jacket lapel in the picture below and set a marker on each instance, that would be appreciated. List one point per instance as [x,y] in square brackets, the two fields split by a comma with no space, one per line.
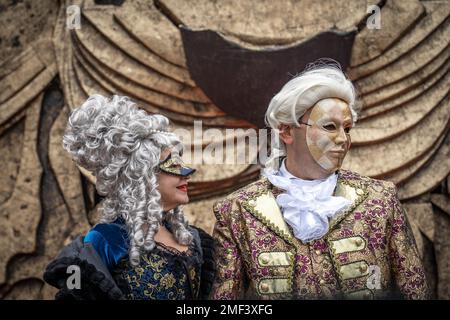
[265,208]
[355,192]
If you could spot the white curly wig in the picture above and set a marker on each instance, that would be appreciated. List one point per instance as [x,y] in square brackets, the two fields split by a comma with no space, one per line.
[320,80]
[121,145]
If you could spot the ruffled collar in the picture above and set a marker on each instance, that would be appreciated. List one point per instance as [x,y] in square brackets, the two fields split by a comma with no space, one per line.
[307,205]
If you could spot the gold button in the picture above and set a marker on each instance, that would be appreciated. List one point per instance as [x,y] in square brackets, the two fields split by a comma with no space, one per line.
[265,260]
[322,281]
[264,287]
[358,242]
[318,252]
[363,268]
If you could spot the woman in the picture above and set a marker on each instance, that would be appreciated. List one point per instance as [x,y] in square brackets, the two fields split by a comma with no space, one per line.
[143,248]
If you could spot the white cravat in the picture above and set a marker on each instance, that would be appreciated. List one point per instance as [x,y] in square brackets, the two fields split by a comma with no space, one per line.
[307,205]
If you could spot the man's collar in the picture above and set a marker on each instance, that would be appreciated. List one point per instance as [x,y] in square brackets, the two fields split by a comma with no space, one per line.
[264,206]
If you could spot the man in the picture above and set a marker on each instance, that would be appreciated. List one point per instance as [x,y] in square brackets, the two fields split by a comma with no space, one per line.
[306,229]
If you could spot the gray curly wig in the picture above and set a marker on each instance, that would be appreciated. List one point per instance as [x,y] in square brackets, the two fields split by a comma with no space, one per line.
[121,145]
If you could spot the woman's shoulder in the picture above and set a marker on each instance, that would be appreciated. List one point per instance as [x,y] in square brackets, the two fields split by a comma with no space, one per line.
[204,239]
[107,234]
[208,262]
[203,243]
[110,241]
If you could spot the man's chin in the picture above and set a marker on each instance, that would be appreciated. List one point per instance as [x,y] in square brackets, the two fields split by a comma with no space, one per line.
[332,169]
[336,163]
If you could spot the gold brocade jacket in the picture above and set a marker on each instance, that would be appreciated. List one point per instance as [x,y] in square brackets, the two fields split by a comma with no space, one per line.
[369,251]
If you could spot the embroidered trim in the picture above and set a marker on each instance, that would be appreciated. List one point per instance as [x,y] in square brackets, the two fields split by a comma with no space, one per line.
[250,205]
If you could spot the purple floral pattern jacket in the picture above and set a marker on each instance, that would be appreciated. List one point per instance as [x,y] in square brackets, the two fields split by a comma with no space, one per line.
[369,251]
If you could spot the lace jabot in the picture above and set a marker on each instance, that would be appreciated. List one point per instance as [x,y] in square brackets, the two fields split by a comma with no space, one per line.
[307,205]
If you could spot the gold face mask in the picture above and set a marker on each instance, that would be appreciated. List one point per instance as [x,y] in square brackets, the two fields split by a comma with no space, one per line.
[328,133]
[175,166]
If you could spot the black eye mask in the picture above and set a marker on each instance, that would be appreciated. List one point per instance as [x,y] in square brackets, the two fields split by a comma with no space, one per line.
[175,167]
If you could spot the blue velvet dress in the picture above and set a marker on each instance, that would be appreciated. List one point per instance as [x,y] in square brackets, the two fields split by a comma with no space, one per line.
[163,274]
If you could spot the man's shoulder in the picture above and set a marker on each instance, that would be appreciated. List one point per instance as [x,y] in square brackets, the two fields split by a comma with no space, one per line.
[247,192]
[370,184]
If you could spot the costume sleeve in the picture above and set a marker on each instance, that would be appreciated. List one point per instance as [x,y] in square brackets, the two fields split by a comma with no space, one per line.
[109,241]
[229,278]
[95,281]
[407,268]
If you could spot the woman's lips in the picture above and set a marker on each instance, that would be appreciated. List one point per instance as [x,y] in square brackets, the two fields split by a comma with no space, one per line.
[183,188]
